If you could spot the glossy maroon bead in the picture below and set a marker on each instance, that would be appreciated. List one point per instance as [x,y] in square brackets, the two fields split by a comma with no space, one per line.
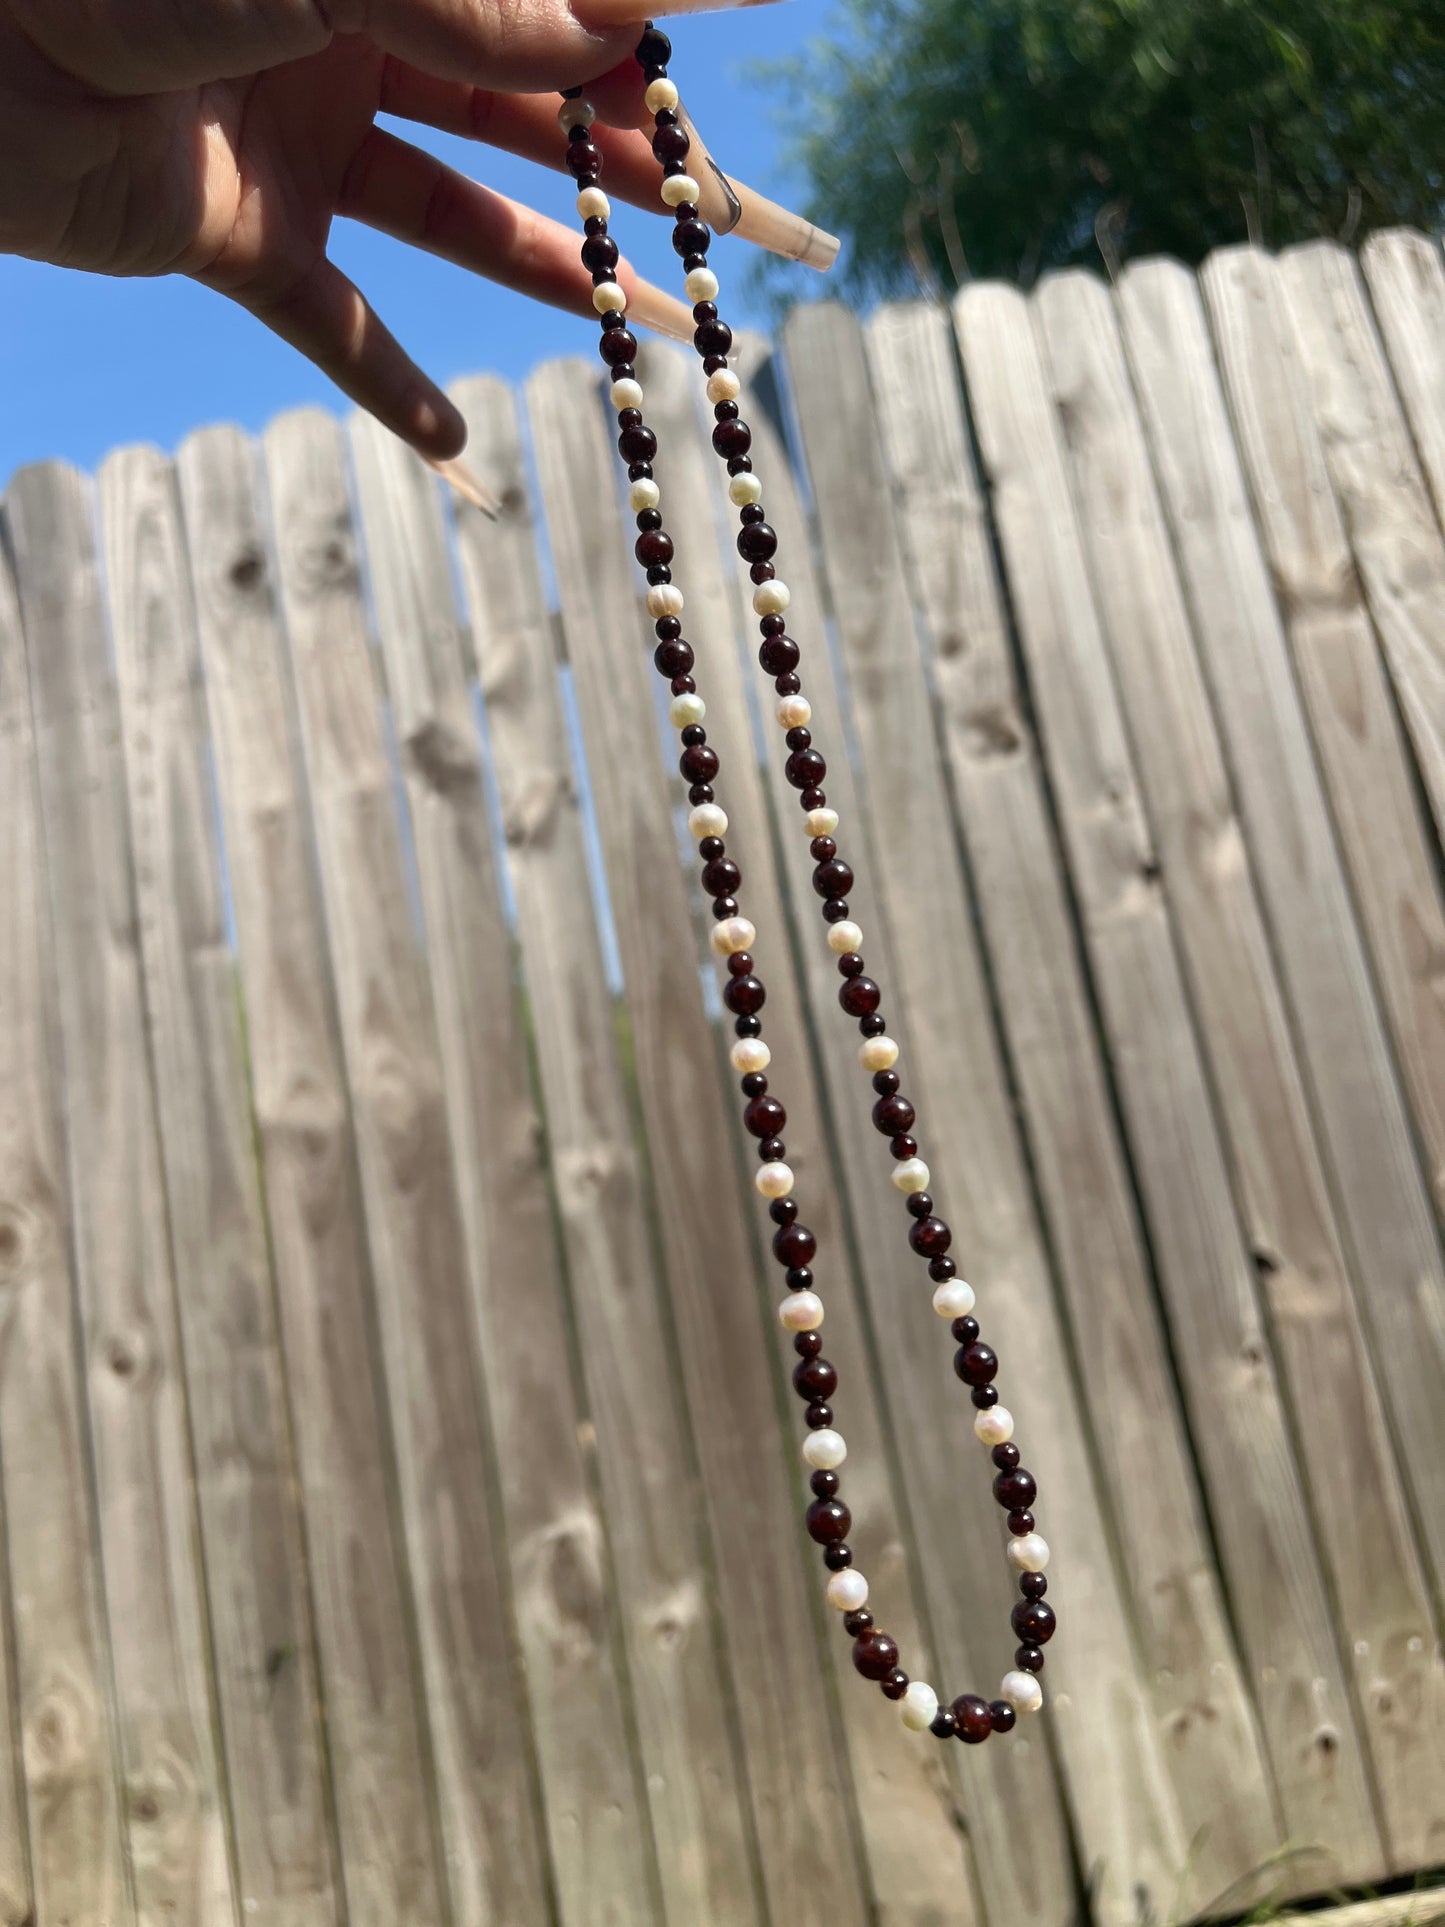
[972,1718]
[671,143]
[875,1655]
[721,877]
[815,1378]
[892,1114]
[1003,1716]
[778,655]
[1033,1585]
[758,542]
[615,347]
[583,159]
[833,878]
[976,1364]
[805,768]
[653,50]
[857,1623]
[807,1344]
[1014,1489]
[637,444]
[673,658]
[744,996]
[984,1395]
[1029,1658]
[859,996]
[653,546]
[930,1236]
[1034,1622]
[825,1484]
[895,1685]
[819,1416]
[699,764]
[837,1558]
[764,1116]
[828,1521]
[692,237]
[945,1726]
[714,338]
[599,251]
[1005,1457]
[1021,1522]
[794,1244]
[903,1146]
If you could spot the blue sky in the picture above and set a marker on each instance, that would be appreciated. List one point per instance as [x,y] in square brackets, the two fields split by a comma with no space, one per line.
[88,363]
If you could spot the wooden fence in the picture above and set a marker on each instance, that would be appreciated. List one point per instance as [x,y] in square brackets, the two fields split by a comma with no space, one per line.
[401,1485]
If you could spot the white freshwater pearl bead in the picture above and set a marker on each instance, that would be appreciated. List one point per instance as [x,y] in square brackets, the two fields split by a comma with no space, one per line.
[825,1450]
[609,297]
[793,712]
[918,1708]
[844,938]
[593,204]
[661,96]
[953,1299]
[723,386]
[820,822]
[701,285]
[575,113]
[664,599]
[1022,1691]
[644,494]
[801,1311]
[911,1174]
[995,1426]
[750,1054]
[878,1054]
[677,188]
[1030,1553]
[743,489]
[771,598]
[774,1180]
[847,1590]
[733,934]
[685,710]
[707,820]
[627,393]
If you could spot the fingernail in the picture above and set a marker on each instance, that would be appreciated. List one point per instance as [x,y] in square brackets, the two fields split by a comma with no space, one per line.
[717,203]
[661,312]
[468,484]
[624,13]
[767,225]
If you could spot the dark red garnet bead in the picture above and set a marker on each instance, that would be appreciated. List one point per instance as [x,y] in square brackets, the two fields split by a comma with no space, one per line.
[875,1655]
[930,1236]
[794,1244]
[1003,1716]
[828,1521]
[977,1365]
[744,996]
[1033,1621]
[815,1378]
[764,1116]
[972,1717]
[891,1114]
[1013,1490]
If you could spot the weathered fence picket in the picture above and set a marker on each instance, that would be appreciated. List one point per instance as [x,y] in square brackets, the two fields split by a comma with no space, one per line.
[398,1465]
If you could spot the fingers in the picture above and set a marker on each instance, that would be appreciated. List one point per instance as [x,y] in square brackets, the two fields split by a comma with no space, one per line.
[523,45]
[610,12]
[416,198]
[328,318]
[529,125]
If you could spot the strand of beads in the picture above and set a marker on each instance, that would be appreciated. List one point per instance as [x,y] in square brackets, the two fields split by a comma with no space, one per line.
[875,1654]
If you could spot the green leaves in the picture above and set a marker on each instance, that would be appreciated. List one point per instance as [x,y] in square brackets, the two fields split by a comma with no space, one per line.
[955,137]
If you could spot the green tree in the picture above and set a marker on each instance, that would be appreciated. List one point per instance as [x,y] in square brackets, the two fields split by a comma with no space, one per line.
[950,138]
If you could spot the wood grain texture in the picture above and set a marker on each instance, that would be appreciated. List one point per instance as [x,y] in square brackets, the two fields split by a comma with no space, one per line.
[61,1852]
[251,1528]
[1399,552]
[661,1572]
[956,1076]
[561,1580]
[908,1812]
[1405,273]
[1320,633]
[1203,1710]
[1207,1278]
[380,1769]
[796,1769]
[172,1791]
[476,1714]
[1213,871]
[1398,1910]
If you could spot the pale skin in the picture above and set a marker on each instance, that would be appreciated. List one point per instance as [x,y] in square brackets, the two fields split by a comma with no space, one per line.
[220,139]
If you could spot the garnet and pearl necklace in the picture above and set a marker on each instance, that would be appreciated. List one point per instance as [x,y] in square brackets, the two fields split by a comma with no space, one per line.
[969,1717]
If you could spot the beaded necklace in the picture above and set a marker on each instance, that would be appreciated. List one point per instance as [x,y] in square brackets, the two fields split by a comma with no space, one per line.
[969,1717]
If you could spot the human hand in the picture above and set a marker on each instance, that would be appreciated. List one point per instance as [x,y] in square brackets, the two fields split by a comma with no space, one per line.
[221,138]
